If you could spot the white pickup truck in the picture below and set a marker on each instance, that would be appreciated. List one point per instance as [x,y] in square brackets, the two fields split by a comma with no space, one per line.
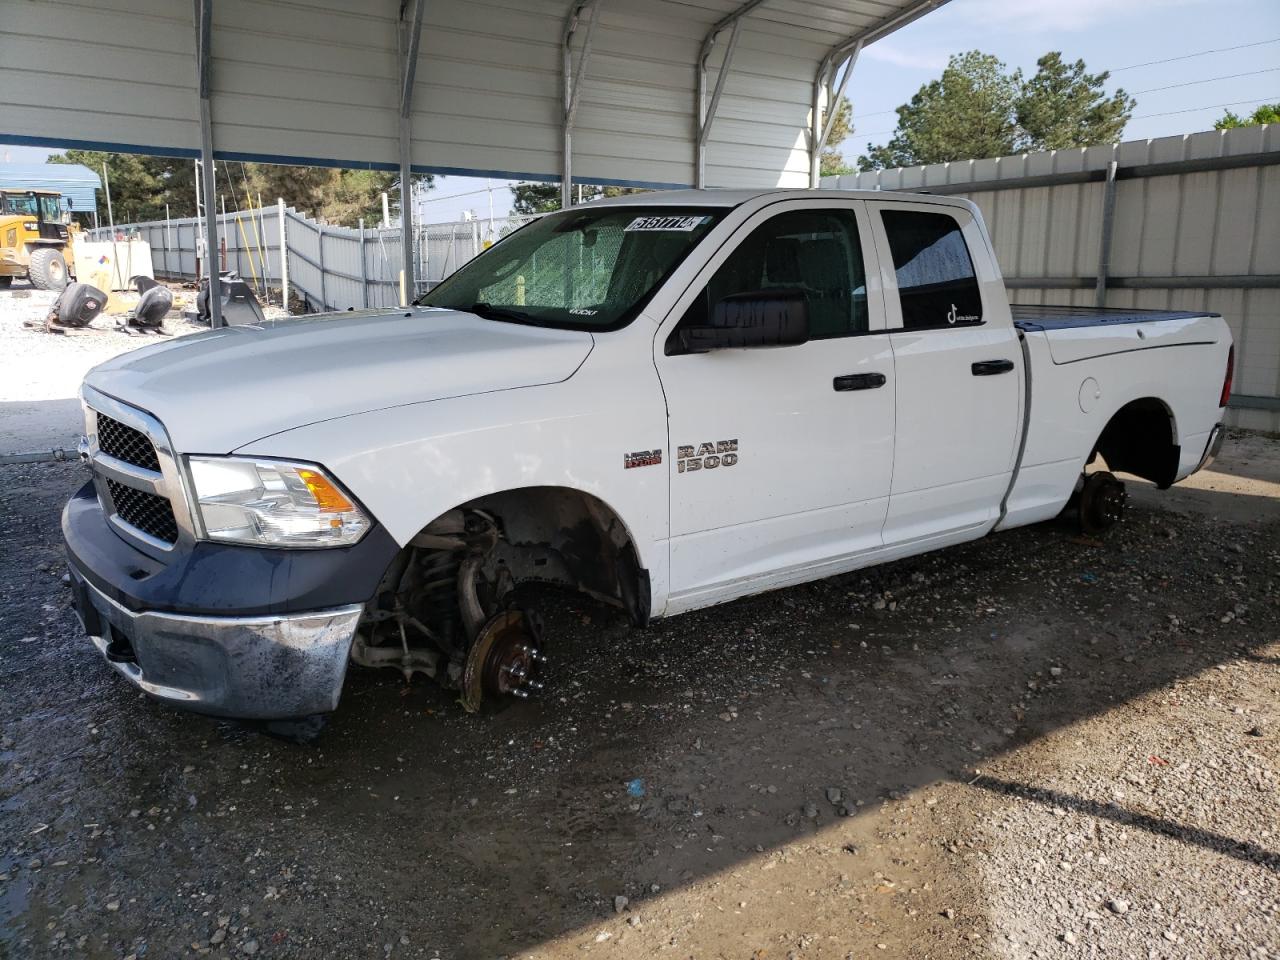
[665,400]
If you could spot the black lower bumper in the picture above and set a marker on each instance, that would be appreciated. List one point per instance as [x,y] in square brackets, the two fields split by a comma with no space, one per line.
[216,579]
[227,630]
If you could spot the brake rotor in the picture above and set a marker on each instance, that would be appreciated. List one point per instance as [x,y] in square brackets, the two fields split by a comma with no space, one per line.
[504,660]
[1101,502]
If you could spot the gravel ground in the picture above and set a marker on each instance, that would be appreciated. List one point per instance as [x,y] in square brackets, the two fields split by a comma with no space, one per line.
[40,373]
[1037,745]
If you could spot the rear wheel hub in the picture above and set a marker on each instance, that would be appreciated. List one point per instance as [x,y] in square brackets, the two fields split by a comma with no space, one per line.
[1102,502]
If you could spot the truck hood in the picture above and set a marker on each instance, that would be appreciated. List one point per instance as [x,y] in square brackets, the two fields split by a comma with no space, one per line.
[219,390]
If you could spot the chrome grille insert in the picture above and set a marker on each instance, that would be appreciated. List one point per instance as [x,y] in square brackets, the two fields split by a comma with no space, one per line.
[151,514]
[138,477]
[125,443]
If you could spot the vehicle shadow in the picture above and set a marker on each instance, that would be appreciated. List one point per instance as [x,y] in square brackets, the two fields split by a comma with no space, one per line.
[660,760]
[1240,849]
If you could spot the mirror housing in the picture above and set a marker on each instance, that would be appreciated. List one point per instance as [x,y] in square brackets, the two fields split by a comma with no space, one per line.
[760,318]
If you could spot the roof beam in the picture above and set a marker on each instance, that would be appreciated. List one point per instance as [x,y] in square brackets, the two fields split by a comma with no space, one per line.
[208,175]
[409,34]
[707,114]
[572,83]
[824,93]
[411,56]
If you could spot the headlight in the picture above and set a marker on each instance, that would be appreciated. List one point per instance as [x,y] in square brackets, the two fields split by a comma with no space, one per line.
[273,503]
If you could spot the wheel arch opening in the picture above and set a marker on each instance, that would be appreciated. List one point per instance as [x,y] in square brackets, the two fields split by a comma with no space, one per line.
[1141,439]
[447,606]
[567,536]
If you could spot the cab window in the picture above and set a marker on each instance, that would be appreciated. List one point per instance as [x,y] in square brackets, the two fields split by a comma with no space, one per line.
[49,209]
[22,204]
[936,283]
[814,251]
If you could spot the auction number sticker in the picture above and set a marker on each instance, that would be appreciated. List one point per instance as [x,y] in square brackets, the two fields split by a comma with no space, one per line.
[665,223]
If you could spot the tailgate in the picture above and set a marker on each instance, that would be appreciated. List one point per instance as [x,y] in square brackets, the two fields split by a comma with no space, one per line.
[1081,333]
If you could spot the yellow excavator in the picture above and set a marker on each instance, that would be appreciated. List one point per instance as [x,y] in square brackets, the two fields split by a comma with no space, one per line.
[36,239]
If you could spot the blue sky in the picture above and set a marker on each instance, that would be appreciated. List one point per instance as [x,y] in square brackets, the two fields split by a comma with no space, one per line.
[1106,34]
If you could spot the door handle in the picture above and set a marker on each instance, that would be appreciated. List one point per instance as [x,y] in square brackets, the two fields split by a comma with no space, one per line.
[859,381]
[989,368]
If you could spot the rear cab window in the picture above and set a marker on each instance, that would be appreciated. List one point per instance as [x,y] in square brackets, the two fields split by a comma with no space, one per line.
[937,285]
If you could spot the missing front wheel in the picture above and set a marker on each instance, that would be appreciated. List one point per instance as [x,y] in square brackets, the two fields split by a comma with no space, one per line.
[447,609]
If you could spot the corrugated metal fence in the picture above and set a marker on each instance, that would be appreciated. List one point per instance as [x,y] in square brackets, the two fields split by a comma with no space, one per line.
[1187,223]
[329,268]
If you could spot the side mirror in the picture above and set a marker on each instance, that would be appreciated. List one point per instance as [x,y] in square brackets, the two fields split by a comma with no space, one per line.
[761,318]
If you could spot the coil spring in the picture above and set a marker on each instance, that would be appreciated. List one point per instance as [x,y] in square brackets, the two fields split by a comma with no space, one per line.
[438,593]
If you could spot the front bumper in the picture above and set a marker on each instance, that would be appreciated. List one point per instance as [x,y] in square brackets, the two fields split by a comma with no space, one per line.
[248,667]
[230,630]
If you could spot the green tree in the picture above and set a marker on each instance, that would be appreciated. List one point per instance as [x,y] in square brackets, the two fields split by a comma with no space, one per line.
[832,161]
[331,194]
[1267,113]
[978,109]
[967,112]
[1064,106]
[140,186]
[534,198]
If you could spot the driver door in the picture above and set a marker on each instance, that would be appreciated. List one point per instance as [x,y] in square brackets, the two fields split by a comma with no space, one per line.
[781,458]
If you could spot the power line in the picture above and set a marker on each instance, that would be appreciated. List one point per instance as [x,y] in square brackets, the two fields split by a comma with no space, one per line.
[1202,53]
[455,196]
[1192,83]
[1143,116]
[878,113]
[1212,106]
[1152,63]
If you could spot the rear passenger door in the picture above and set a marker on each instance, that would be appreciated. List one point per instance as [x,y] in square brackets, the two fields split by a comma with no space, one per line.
[958,371]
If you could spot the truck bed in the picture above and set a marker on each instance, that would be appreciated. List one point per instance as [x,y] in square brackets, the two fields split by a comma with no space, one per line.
[1027,316]
[1083,333]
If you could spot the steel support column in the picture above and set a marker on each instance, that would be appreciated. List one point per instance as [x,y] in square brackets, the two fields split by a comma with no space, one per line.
[1107,230]
[824,78]
[706,114]
[410,34]
[572,82]
[827,94]
[208,181]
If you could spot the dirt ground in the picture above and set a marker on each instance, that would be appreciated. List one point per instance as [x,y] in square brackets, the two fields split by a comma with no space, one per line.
[41,373]
[1036,745]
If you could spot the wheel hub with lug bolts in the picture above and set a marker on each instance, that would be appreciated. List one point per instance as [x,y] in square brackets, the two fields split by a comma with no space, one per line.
[505,660]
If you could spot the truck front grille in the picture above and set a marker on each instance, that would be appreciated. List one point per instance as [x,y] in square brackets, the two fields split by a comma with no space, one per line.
[151,514]
[137,475]
[123,442]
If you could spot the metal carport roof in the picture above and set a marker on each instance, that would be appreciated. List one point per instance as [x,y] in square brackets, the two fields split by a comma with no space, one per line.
[76,183]
[630,93]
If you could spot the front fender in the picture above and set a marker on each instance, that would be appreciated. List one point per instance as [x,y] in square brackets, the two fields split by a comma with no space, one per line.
[410,464]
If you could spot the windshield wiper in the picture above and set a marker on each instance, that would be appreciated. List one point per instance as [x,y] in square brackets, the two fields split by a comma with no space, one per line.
[489,312]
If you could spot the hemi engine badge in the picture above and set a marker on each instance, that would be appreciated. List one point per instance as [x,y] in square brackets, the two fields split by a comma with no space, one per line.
[642,458]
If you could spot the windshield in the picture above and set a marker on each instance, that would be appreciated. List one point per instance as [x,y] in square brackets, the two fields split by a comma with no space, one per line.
[23,204]
[580,269]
